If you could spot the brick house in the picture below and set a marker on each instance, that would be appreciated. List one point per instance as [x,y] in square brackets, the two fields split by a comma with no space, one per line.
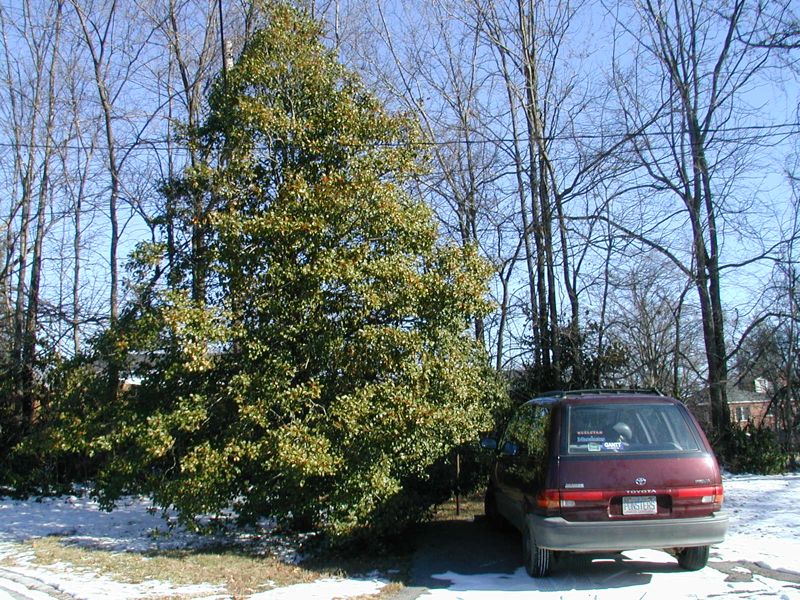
[746,406]
[752,406]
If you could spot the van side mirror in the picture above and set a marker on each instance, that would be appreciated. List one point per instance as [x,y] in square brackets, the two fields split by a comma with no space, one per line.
[489,443]
[510,449]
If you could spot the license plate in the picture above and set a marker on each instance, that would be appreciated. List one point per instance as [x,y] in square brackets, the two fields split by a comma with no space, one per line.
[639,505]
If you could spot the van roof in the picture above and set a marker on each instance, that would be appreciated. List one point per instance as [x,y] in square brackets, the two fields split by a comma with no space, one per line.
[601,392]
[599,395]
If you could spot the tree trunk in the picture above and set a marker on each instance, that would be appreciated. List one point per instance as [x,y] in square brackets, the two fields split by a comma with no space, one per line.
[32,315]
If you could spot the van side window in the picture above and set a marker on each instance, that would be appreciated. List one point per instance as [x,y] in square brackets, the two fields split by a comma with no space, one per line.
[529,430]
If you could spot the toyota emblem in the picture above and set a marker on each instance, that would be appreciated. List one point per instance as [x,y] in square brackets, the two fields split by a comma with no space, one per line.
[640,481]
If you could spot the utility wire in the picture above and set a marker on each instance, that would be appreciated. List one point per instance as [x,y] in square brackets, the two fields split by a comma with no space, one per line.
[162,144]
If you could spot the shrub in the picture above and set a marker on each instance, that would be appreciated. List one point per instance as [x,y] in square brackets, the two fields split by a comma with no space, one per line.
[752,449]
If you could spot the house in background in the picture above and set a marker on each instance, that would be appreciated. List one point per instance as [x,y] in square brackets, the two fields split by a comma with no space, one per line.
[746,405]
[752,406]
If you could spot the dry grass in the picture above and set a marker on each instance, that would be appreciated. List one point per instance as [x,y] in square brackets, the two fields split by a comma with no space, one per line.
[465,509]
[239,572]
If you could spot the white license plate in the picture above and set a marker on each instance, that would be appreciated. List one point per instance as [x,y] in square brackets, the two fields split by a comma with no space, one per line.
[639,505]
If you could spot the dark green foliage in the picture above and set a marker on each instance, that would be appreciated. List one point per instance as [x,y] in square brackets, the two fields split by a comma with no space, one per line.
[751,449]
[584,363]
[52,453]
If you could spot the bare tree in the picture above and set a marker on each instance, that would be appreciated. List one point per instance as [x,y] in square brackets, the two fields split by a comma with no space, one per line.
[651,317]
[501,91]
[768,348]
[445,85]
[781,26]
[98,102]
[77,161]
[557,167]
[189,32]
[98,29]
[689,76]
[31,53]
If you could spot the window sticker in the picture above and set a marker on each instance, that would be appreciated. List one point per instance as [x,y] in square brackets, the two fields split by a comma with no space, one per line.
[613,446]
[593,447]
[584,437]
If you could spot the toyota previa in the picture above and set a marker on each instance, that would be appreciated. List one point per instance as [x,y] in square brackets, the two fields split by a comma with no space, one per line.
[606,471]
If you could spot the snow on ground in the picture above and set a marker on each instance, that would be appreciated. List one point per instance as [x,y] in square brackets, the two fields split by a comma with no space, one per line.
[765,521]
[323,589]
[760,556]
[134,526]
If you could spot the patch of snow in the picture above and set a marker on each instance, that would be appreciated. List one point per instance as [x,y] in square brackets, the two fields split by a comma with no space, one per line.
[324,589]
[88,585]
[131,527]
[764,516]
[641,574]
[11,590]
[135,526]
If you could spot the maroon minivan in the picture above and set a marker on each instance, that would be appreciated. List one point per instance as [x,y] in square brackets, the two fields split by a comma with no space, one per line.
[605,470]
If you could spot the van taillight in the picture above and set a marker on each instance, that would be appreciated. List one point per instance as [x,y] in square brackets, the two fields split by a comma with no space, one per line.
[555,499]
[712,494]
[548,500]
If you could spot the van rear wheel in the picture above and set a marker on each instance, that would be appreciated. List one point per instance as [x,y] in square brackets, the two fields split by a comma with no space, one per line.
[693,559]
[538,561]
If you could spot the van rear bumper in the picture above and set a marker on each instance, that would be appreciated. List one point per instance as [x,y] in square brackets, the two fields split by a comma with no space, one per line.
[556,533]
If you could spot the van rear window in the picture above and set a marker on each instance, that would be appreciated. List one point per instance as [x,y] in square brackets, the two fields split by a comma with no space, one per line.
[598,428]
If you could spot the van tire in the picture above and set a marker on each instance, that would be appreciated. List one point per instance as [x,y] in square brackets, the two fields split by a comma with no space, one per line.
[538,561]
[693,559]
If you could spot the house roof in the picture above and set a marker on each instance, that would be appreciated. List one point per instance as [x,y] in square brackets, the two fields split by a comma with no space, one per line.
[740,396]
